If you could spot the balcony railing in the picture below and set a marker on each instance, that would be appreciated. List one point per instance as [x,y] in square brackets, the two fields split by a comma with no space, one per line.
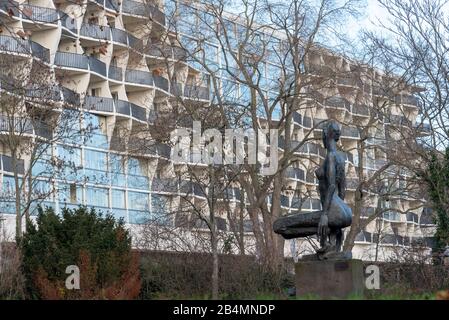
[196,92]
[138,112]
[99,104]
[39,14]
[10,6]
[119,36]
[139,77]
[68,22]
[112,4]
[134,7]
[70,96]
[40,52]
[95,31]
[12,44]
[97,66]
[161,82]
[122,107]
[115,73]
[15,124]
[71,60]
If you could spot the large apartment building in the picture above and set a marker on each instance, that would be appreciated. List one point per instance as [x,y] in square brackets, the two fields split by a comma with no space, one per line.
[106,59]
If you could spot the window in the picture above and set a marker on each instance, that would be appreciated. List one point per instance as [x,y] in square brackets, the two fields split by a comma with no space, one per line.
[138,201]
[70,193]
[97,197]
[118,199]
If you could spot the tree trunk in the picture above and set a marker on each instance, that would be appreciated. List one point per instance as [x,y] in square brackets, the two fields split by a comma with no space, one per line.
[17,201]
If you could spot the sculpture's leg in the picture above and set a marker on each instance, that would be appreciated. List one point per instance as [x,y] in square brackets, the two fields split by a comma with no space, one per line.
[300,220]
[340,238]
[292,233]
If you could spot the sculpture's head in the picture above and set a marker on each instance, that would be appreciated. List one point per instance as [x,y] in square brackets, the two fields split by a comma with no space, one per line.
[331,132]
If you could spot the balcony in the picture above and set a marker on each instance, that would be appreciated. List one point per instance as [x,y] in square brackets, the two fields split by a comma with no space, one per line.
[134,8]
[16,125]
[361,110]
[161,82]
[138,112]
[39,14]
[11,7]
[176,89]
[40,52]
[122,107]
[101,104]
[112,5]
[95,31]
[119,36]
[139,77]
[68,22]
[349,132]
[71,60]
[70,96]
[16,45]
[196,92]
[115,73]
[97,66]
[165,185]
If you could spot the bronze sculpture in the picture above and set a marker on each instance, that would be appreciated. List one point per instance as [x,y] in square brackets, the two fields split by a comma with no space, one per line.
[335,215]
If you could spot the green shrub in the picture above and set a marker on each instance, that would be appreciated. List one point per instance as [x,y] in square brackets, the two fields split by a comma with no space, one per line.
[99,246]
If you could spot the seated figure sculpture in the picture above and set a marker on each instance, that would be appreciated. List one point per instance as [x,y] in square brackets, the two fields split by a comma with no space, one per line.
[335,215]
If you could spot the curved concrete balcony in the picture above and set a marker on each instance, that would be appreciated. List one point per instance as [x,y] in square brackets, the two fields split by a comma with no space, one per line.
[9,44]
[112,5]
[71,97]
[115,73]
[9,8]
[161,83]
[196,92]
[101,104]
[97,66]
[68,23]
[72,60]
[23,127]
[37,14]
[139,9]
[110,106]
[119,36]
[95,31]
[139,77]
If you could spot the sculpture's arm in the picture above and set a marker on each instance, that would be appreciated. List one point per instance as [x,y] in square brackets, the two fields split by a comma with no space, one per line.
[331,180]
[323,225]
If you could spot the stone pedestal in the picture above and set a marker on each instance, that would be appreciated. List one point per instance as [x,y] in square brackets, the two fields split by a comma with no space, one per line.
[329,278]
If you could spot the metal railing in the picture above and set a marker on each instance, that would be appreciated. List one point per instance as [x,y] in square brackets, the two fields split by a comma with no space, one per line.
[95,31]
[134,7]
[138,112]
[139,77]
[115,73]
[196,92]
[99,103]
[122,107]
[120,36]
[39,14]
[11,44]
[40,52]
[71,60]
[10,6]
[68,22]
[70,96]
[161,82]
[97,66]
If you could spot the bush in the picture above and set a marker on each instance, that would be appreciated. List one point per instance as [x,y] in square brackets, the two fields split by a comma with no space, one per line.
[99,246]
[186,275]
[11,278]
